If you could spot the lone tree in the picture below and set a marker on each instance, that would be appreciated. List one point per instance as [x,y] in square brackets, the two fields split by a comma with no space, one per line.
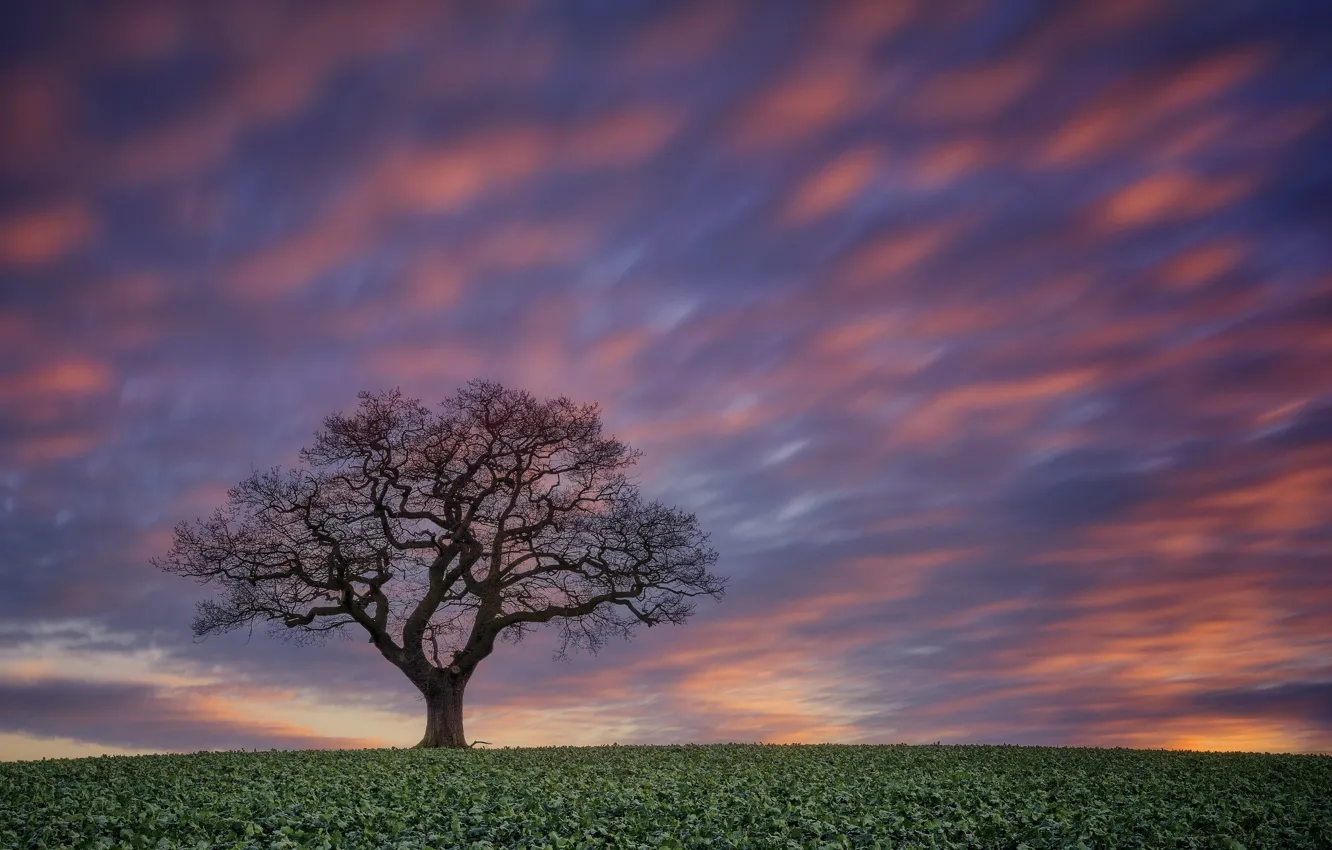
[439,532]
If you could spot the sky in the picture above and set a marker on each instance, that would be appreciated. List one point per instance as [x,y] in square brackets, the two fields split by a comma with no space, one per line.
[992,342]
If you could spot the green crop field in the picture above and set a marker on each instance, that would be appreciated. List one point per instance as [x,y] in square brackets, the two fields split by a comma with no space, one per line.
[671,797]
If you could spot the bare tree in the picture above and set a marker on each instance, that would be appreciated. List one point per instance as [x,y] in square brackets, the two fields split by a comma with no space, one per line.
[439,532]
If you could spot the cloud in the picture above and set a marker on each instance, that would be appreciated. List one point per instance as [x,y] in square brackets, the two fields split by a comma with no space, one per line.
[1168,195]
[279,69]
[990,343]
[59,378]
[975,93]
[680,35]
[42,236]
[79,680]
[136,716]
[33,107]
[809,100]
[1068,491]
[833,185]
[1312,426]
[898,252]
[1005,405]
[1306,701]
[1203,265]
[624,138]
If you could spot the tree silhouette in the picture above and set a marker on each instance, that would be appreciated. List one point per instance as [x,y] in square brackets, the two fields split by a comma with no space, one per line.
[439,532]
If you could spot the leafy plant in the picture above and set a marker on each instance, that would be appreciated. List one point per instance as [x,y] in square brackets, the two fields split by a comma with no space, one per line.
[722,796]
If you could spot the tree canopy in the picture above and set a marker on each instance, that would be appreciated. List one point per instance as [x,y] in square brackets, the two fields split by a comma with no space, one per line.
[436,532]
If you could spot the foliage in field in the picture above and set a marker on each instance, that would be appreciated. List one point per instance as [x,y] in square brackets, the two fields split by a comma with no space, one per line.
[673,797]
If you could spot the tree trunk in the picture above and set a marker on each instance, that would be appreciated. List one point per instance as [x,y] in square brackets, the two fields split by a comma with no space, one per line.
[443,691]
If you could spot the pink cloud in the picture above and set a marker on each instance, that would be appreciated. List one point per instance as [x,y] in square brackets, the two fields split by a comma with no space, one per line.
[808,101]
[33,108]
[975,93]
[1171,195]
[833,185]
[67,377]
[680,35]
[283,68]
[623,138]
[885,297]
[898,252]
[42,236]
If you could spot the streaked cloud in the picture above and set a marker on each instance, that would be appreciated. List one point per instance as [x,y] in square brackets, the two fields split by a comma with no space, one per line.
[990,342]
[32,238]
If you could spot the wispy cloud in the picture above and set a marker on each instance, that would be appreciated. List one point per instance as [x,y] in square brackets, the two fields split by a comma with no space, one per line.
[990,342]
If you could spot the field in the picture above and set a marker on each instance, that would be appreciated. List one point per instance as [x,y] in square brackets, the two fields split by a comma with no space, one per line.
[673,797]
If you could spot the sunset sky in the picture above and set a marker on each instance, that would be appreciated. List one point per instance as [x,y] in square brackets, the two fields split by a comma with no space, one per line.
[991,341]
